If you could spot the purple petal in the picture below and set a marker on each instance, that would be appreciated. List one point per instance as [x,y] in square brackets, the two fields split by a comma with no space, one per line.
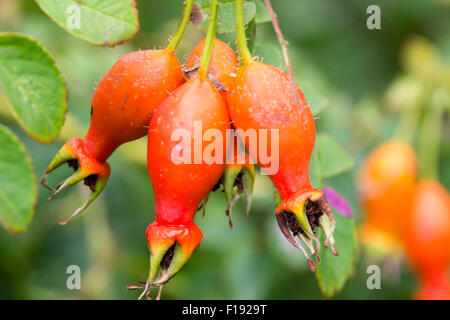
[338,202]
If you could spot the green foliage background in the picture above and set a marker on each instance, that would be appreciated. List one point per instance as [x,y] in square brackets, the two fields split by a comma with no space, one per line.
[332,53]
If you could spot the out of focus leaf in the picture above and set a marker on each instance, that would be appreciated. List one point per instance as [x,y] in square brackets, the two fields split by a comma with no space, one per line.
[316,100]
[268,53]
[203,3]
[314,176]
[332,158]
[247,267]
[100,22]
[226,16]
[33,85]
[333,271]
[250,33]
[262,15]
[277,197]
[18,188]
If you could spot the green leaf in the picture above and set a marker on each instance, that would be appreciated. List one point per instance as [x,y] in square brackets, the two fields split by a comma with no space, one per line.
[333,271]
[332,158]
[226,16]
[262,14]
[18,187]
[100,22]
[33,86]
[316,100]
[250,33]
[268,53]
[314,176]
[203,3]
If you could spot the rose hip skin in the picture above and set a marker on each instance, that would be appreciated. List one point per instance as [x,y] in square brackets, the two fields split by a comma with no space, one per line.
[238,177]
[426,238]
[261,97]
[434,287]
[121,108]
[128,95]
[223,65]
[386,186]
[179,188]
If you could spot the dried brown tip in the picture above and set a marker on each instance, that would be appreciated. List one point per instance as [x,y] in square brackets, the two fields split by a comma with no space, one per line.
[196,14]
[299,216]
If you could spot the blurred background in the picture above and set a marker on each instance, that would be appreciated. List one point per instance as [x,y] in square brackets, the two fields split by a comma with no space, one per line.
[353,68]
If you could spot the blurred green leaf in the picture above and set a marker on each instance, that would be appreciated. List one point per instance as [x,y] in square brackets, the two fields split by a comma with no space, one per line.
[250,33]
[247,268]
[203,3]
[18,188]
[226,16]
[314,176]
[268,53]
[316,100]
[262,15]
[277,197]
[33,85]
[333,271]
[332,159]
[105,23]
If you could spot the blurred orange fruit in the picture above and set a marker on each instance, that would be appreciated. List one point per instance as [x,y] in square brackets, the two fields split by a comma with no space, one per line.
[426,230]
[386,185]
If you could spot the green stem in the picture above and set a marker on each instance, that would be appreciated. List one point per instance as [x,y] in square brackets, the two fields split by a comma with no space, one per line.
[210,35]
[244,52]
[429,136]
[409,120]
[182,26]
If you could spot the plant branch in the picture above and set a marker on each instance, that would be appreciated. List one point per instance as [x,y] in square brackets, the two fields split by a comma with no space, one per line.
[429,136]
[284,45]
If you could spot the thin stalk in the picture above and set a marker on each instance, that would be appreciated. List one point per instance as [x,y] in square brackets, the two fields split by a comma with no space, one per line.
[210,35]
[429,137]
[244,52]
[182,26]
[409,120]
[284,45]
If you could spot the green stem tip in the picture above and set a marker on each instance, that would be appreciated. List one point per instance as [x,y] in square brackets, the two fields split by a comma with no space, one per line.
[244,52]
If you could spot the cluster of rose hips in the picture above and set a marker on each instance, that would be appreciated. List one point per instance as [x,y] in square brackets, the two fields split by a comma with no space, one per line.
[148,92]
[407,215]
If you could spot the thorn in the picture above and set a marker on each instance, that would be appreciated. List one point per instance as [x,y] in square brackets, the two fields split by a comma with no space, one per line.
[145,291]
[311,265]
[133,287]
[158,297]
[45,184]
[228,213]
[334,251]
